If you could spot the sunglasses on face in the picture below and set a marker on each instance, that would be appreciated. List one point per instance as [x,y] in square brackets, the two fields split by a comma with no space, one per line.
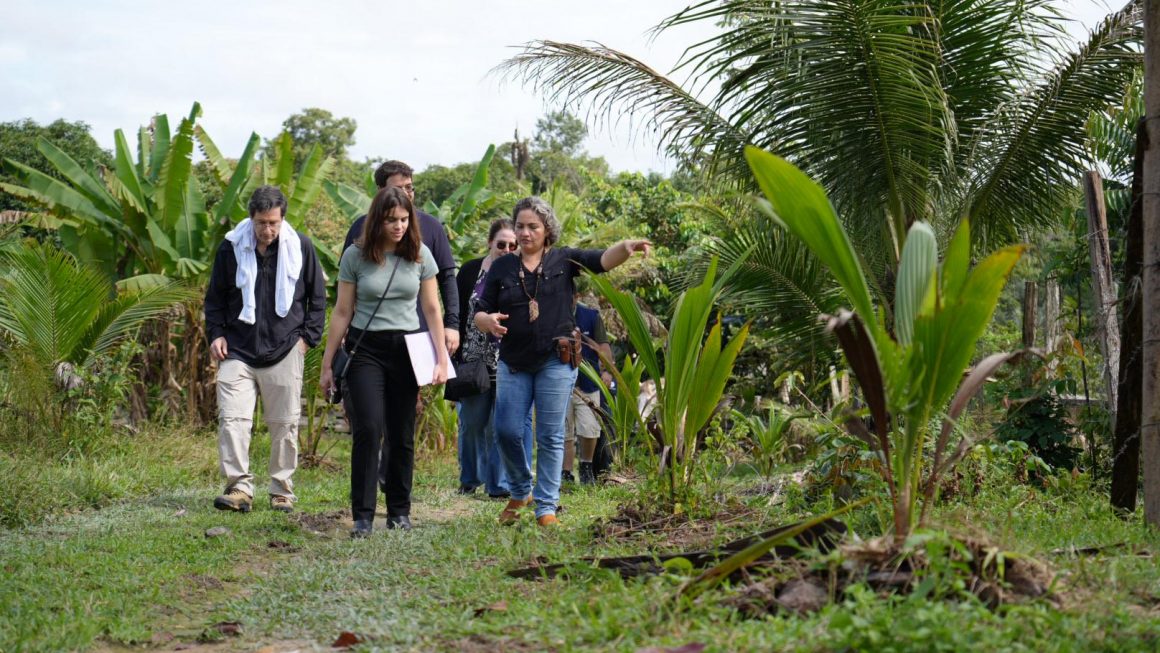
[511,247]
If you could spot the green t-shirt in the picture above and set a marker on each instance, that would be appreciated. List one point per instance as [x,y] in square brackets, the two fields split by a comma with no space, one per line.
[398,309]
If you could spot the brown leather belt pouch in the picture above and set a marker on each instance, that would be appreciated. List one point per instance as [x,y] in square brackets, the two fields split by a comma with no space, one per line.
[569,348]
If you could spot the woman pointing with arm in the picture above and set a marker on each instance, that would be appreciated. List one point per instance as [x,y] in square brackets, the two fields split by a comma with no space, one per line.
[527,302]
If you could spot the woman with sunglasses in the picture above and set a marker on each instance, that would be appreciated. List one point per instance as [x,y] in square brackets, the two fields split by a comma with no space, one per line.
[379,279]
[479,462]
[527,303]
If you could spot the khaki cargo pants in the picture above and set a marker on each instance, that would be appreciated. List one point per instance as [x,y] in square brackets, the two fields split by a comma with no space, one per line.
[238,387]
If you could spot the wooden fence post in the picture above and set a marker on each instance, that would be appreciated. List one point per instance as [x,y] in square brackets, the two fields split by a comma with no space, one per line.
[1103,286]
[1126,435]
[1150,410]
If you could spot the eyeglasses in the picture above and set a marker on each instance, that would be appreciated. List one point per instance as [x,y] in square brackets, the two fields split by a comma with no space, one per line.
[407,188]
[510,246]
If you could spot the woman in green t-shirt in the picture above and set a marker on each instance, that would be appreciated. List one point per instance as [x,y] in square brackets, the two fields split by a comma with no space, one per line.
[380,386]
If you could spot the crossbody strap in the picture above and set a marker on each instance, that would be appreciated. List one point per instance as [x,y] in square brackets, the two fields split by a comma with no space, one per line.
[374,312]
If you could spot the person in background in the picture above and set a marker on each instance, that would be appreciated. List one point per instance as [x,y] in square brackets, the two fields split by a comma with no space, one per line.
[583,421]
[527,302]
[389,261]
[479,462]
[265,304]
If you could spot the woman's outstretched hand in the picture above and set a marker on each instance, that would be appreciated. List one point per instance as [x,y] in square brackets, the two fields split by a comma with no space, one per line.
[641,245]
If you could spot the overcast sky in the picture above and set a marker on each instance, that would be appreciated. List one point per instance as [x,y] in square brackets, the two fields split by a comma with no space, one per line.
[414,75]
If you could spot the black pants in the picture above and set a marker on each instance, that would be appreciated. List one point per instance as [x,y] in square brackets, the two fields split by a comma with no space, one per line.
[380,402]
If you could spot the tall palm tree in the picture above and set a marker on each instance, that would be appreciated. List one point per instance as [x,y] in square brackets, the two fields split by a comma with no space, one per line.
[903,111]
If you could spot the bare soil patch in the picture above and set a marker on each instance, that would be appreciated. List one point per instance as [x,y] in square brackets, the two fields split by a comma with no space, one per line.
[794,577]
[322,523]
[635,522]
[484,644]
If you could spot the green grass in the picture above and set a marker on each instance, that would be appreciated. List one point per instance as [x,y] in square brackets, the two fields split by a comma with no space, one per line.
[140,569]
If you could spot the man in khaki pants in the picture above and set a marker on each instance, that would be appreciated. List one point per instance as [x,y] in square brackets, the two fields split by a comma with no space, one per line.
[266,303]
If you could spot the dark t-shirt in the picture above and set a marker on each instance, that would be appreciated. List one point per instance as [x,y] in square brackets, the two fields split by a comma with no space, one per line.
[528,344]
[592,326]
[434,237]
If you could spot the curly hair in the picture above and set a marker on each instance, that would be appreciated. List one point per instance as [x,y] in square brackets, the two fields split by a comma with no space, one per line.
[544,211]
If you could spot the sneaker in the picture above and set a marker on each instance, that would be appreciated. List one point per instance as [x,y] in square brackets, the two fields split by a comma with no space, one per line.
[566,477]
[501,495]
[587,475]
[465,489]
[547,520]
[281,503]
[234,499]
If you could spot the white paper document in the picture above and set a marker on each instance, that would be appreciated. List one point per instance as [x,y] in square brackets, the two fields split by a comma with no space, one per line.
[422,351]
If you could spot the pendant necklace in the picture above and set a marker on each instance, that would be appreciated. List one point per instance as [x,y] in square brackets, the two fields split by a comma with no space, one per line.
[533,305]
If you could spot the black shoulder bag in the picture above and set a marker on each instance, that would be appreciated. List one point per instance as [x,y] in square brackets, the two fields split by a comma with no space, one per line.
[341,360]
[472,377]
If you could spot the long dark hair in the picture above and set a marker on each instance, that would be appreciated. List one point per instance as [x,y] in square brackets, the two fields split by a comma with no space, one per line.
[374,236]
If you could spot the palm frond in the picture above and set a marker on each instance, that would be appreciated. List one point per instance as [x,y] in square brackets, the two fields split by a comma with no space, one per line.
[1026,163]
[124,315]
[616,86]
[849,90]
[1111,133]
[57,310]
[47,301]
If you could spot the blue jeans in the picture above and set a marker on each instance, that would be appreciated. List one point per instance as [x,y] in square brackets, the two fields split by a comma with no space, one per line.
[549,389]
[479,462]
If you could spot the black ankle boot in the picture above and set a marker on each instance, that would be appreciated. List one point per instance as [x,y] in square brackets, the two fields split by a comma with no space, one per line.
[401,522]
[362,529]
[587,476]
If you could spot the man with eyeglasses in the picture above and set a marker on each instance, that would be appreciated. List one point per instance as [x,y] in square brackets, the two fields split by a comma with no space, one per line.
[400,175]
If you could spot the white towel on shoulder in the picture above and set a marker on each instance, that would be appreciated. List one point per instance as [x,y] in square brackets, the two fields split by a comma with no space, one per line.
[286,277]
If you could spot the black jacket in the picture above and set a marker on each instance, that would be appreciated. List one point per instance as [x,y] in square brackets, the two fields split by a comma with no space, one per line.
[269,338]
[528,344]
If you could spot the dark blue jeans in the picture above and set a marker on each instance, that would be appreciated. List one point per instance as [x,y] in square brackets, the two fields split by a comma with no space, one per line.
[479,457]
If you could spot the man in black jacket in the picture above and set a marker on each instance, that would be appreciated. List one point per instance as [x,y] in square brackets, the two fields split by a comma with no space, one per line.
[266,303]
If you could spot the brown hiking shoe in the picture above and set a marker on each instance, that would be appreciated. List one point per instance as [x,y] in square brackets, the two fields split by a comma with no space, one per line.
[509,514]
[234,499]
[281,503]
[547,520]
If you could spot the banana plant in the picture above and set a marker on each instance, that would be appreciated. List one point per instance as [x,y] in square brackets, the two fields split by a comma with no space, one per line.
[141,217]
[691,367]
[468,200]
[239,182]
[912,373]
[456,212]
[148,216]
